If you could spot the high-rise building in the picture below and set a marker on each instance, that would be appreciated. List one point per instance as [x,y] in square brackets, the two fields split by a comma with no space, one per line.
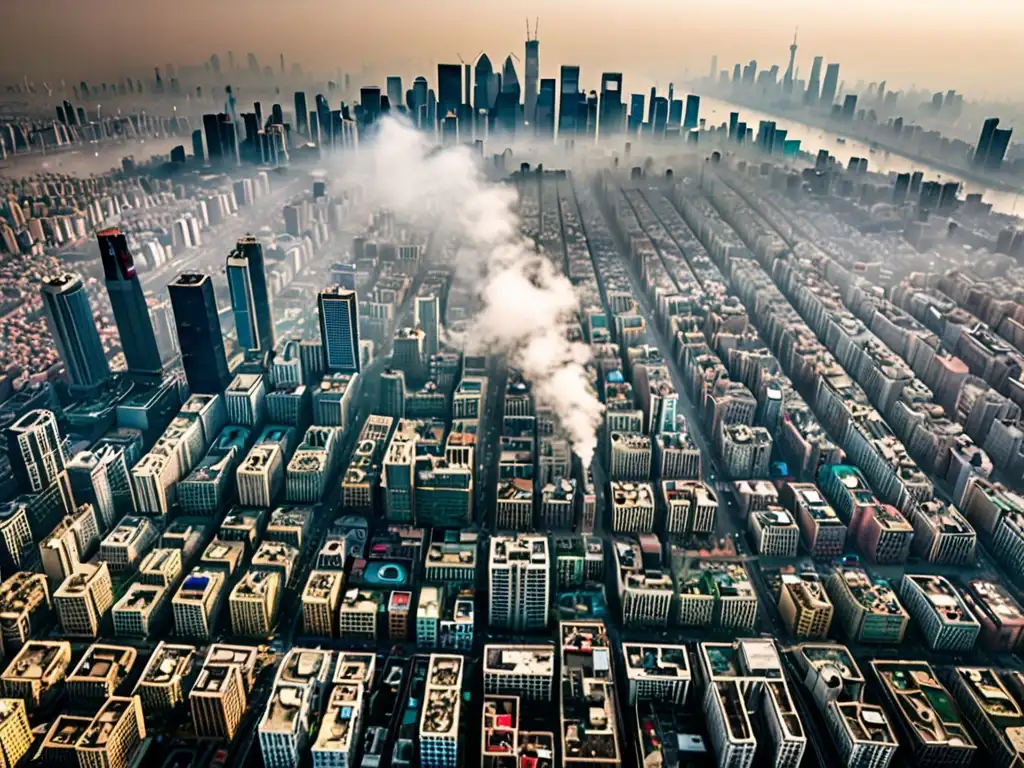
[161,686]
[339,329]
[568,101]
[449,88]
[250,298]
[692,118]
[531,78]
[813,82]
[35,450]
[830,86]
[394,91]
[867,609]
[70,320]
[301,114]
[612,109]
[199,333]
[24,606]
[520,584]
[218,699]
[428,319]
[131,314]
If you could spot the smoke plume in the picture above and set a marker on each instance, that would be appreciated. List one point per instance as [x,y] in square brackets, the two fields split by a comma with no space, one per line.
[526,305]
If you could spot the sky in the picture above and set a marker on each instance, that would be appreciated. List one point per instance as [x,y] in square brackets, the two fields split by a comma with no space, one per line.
[970,45]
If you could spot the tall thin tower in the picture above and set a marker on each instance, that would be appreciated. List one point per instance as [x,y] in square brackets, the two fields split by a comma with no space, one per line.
[532,73]
[787,82]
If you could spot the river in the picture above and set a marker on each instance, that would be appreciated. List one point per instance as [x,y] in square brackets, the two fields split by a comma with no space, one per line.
[812,139]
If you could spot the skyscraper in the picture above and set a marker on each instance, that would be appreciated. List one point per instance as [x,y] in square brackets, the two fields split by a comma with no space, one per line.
[449,88]
[131,314]
[35,450]
[612,109]
[428,319]
[813,82]
[69,318]
[531,77]
[339,329]
[692,118]
[831,85]
[394,90]
[199,334]
[544,117]
[250,299]
[520,583]
[301,114]
[211,130]
[483,73]
[568,100]
[992,144]
[507,108]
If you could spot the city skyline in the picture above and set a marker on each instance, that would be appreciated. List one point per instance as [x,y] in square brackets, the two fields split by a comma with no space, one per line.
[958,48]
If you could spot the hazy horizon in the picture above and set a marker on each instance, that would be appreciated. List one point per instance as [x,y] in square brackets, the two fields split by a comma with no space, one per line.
[933,44]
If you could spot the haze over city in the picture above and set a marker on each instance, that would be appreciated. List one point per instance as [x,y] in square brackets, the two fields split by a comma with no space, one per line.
[931,43]
[450,384]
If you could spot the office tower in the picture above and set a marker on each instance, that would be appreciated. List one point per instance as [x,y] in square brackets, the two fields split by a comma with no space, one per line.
[131,313]
[70,320]
[197,602]
[449,88]
[612,110]
[636,112]
[813,82]
[428,320]
[199,334]
[320,599]
[692,119]
[100,478]
[83,599]
[392,394]
[211,130]
[659,109]
[849,106]
[519,582]
[394,91]
[250,298]
[35,451]
[992,144]
[531,76]
[197,145]
[830,86]
[568,100]
[339,329]
[483,73]
[301,114]
[545,111]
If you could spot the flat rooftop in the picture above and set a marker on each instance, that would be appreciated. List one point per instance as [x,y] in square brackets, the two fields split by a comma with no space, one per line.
[534,660]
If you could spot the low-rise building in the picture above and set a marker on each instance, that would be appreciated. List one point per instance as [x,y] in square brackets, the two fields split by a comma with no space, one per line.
[745,687]
[867,608]
[37,671]
[933,729]
[161,687]
[83,600]
[588,726]
[526,671]
[993,703]
[822,532]
[804,605]
[862,732]
[98,673]
[141,612]
[941,613]
[657,672]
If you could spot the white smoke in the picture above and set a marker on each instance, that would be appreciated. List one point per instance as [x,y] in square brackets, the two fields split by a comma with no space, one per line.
[527,306]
